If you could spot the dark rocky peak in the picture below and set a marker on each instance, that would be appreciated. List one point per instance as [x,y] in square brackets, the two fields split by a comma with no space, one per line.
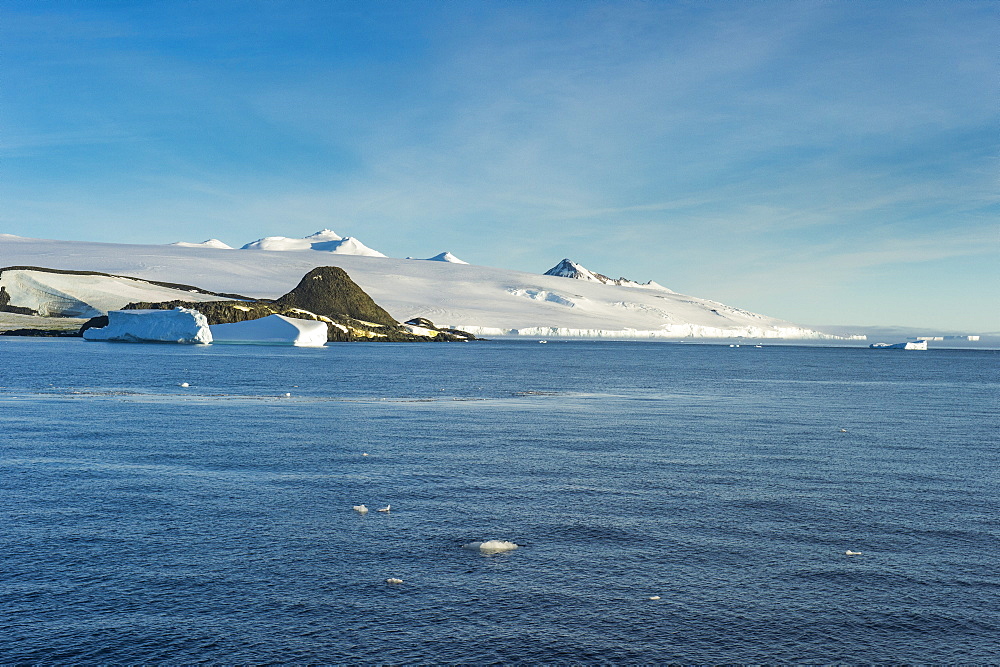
[330,292]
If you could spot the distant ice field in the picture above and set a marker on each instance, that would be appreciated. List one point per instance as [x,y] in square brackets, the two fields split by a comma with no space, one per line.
[482,300]
[146,521]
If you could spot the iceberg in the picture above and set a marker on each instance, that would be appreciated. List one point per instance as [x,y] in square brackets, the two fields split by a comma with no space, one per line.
[272,330]
[180,325]
[911,345]
[491,546]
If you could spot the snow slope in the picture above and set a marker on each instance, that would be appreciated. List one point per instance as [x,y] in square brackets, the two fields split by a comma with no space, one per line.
[71,295]
[478,299]
[325,240]
[570,269]
[442,257]
[210,243]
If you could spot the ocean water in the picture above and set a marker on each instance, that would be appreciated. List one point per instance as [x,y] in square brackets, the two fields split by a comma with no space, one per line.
[146,522]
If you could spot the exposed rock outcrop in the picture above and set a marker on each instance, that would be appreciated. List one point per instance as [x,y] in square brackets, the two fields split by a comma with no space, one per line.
[567,268]
[326,294]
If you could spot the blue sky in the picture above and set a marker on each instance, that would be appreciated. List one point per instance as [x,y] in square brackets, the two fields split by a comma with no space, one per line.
[824,162]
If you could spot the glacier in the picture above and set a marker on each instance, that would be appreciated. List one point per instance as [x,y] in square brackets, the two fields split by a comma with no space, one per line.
[483,300]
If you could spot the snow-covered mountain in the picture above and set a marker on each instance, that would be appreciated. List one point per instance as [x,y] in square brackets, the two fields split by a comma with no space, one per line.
[326,240]
[442,257]
[570,269]
[482,300]
[210,243]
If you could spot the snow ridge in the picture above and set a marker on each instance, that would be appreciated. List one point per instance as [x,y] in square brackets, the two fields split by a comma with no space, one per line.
[441,257]
[210,243]
[567,268]
[483,300]
[326,240]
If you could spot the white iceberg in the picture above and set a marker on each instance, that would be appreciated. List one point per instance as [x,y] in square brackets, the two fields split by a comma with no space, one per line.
[490,546]
[180,325]
[910,345]
[272,330]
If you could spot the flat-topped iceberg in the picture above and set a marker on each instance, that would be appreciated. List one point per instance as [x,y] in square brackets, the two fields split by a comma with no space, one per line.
[180,325]
[272,330]
[909,345]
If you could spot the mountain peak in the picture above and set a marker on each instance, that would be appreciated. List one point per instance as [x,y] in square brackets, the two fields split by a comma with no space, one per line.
[324,235]
[210,243]
[442,257]
[325,239]
[570,269]
[567,268]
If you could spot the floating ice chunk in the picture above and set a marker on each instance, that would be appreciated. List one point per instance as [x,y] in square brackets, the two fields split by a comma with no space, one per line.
[272,330]
[490,546]
[183,384]
[393,580]
[361,509]
[653,597]
[852,553]
[180,325]
[386,508]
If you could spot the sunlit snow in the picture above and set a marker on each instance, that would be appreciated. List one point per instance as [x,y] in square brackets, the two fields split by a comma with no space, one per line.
[482,300]
[74,295]
[179,325]
[325,240]
[272,330]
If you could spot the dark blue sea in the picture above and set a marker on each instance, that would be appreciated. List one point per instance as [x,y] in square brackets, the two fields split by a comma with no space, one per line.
[146,522]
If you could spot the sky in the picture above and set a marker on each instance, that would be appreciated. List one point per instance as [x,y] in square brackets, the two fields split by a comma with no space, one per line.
[821,162]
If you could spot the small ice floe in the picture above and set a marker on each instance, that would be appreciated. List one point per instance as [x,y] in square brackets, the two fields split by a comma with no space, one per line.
[361,509]
[653,597]
[386,508]
[852,553]
[393,580]
[490,546]
[183,384]
[843,430]
[286,395]
[364,453]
